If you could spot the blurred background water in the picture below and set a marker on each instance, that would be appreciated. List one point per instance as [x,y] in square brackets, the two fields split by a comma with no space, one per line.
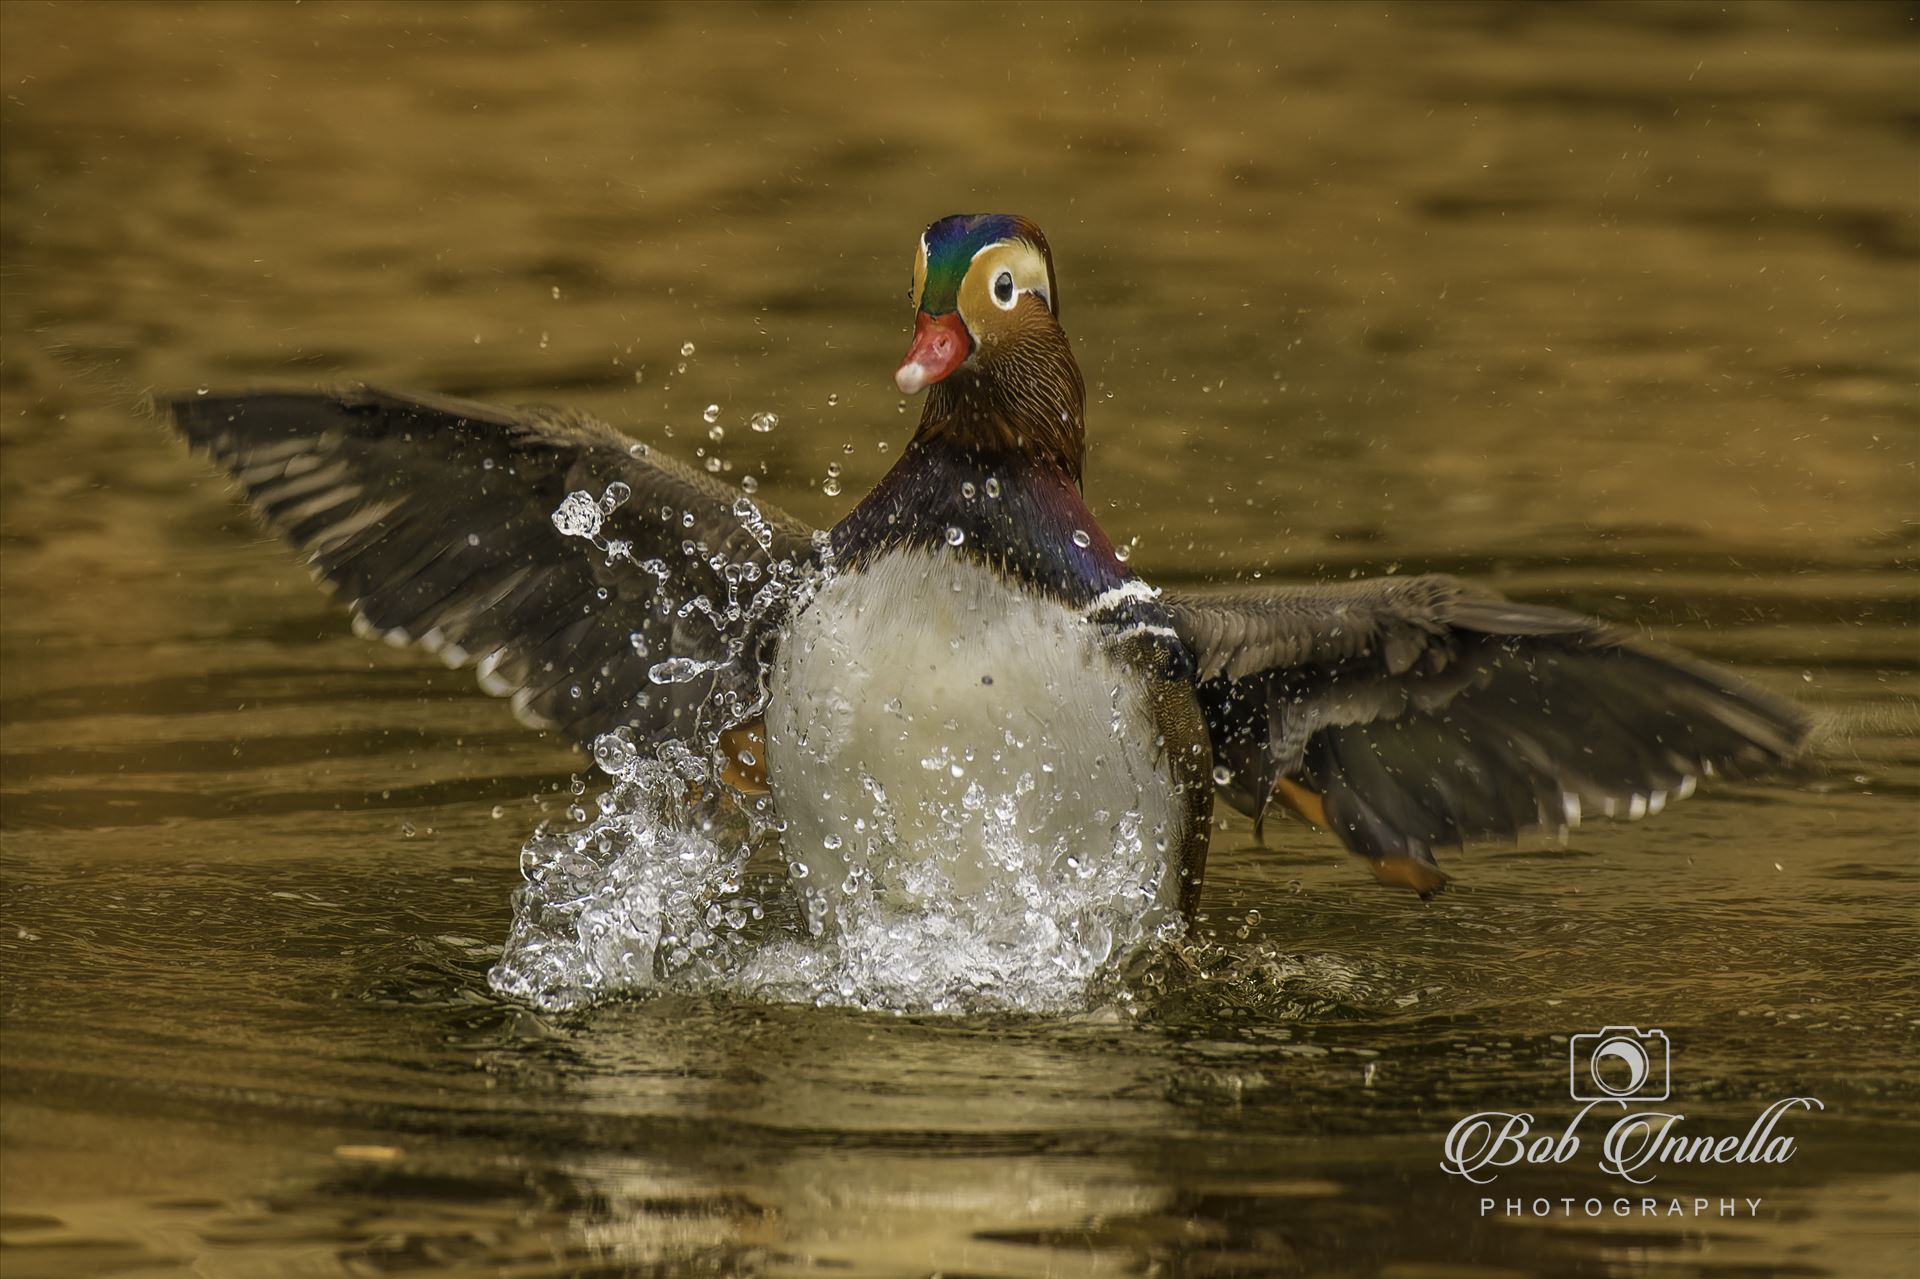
[1613,307]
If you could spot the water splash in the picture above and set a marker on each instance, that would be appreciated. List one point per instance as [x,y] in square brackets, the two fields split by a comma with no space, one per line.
[621,902]
[653,894]
[674,880]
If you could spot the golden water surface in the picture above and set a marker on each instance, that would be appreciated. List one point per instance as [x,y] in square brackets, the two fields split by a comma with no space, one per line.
[1614,307]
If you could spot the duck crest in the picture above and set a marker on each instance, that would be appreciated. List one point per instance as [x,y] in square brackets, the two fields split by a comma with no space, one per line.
[953,242]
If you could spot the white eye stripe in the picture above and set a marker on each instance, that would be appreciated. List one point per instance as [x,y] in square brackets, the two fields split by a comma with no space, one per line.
[1024,263]
[1019,291]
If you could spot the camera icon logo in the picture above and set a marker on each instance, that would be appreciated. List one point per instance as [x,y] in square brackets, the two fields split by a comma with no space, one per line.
[1621,1063]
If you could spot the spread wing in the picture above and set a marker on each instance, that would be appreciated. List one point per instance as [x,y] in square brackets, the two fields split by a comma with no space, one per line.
[435,519]
[1406,714]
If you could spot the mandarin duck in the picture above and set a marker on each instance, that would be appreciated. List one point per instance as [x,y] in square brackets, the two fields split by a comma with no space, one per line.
[975,655]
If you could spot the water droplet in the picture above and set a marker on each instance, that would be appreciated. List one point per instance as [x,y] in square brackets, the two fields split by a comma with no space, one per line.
[831,488]
[712,414]
[612,753]
[764,422]
[967,490]
[833,469]
[207,390]
[556,293]
[616,493]
[1222,775]
[1082,539]
[833,399]
[993,487]
[679,670]
[713,465]
[578,515]
[830,842]
[749,484]
[954,536]
[1123,553]
[686,348]
[499,811]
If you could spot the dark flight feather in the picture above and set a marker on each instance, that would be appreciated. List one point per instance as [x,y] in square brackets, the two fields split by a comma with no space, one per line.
[433,519]
[1426,714]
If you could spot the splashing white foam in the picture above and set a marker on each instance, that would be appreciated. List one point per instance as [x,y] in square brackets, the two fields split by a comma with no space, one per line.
[617,903]
[652,892]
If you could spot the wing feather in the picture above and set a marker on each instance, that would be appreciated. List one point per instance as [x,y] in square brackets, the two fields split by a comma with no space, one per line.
[1426,714]
[432,518]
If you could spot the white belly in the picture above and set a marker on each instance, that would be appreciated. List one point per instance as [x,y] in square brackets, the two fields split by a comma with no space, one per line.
[940,743]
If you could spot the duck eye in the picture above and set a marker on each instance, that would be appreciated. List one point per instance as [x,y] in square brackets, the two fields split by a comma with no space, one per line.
[1003,289]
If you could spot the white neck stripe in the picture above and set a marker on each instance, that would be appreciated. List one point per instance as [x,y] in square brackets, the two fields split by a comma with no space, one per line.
[1131,589]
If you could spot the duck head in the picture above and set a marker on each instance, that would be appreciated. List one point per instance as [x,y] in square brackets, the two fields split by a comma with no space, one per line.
[987,344]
